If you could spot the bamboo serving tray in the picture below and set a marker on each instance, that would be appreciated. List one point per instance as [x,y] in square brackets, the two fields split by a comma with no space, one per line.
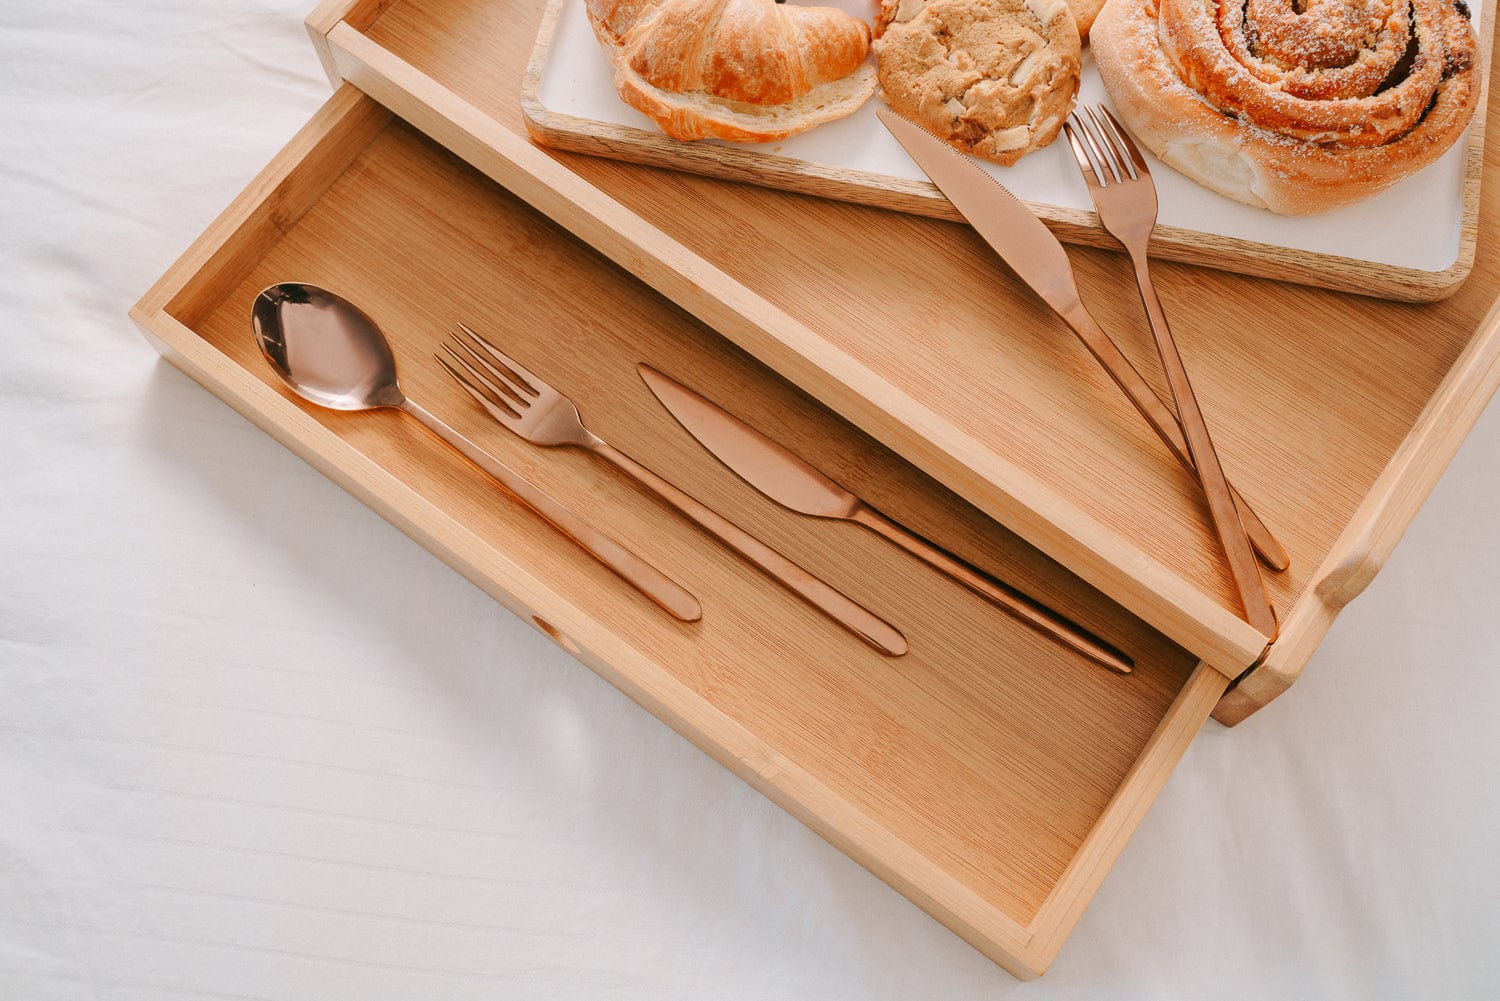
[1335,414]
[1415,242]
[990,775]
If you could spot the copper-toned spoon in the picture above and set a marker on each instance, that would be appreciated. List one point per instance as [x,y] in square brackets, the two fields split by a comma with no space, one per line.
[329,352]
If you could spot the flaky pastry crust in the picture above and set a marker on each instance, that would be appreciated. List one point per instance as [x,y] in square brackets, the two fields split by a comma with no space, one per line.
[741,70]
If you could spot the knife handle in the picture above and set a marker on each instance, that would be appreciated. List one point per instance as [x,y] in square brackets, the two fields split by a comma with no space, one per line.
[1003,596]
[818,593]
[1164,421]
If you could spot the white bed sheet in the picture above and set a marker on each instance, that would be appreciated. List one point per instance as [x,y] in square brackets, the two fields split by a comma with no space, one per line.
[255,743]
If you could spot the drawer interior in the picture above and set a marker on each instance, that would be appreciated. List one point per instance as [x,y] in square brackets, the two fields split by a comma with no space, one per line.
[1312,395]
[989,774]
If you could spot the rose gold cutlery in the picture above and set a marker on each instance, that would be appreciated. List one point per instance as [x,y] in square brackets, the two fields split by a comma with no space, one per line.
[1038,259]
[524,403]
[790,481]
[327,351]
[1125,200]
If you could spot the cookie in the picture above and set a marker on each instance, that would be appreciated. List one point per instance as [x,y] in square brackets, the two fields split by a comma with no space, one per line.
[995,78]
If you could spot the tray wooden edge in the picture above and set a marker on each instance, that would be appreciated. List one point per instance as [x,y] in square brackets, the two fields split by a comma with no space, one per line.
[260,215]
[1409,477]
[1081,227]
[750,321]
[1378,523]
[328,13]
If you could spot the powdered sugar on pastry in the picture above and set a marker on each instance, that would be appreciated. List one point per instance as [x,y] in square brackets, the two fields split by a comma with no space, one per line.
[1298,106]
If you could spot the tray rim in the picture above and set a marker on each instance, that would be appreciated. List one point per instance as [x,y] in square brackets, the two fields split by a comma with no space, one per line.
[735,311]
[265,210]
[1078,226]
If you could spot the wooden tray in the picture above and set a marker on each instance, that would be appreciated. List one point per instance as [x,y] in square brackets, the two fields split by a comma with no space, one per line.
[1422,242]
[990,775]
[1335,414]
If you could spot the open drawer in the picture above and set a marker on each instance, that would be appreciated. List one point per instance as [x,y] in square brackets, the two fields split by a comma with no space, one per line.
[990,775]
[1334,414]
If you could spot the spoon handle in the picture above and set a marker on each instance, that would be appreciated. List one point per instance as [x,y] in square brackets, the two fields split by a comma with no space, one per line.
[650,581]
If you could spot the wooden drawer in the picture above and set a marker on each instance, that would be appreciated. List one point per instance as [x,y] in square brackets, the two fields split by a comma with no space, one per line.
[1335,414]
[990,775]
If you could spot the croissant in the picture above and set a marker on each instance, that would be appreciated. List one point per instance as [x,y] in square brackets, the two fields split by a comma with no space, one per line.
[741,70]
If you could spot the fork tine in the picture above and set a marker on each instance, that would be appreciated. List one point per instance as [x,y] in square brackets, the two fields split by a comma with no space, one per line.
[1100,148]
[1085,165]
[501,413]
[484,383]
[1119,160]
[503,384]
[528,380]
[1125,140]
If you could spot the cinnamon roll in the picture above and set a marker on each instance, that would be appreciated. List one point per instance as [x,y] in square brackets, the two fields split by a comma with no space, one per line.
[1298,106]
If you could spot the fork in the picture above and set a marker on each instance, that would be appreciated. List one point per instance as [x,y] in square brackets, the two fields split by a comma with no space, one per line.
[1125,199]
[524,403]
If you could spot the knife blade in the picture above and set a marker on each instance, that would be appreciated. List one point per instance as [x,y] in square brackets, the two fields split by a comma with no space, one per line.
[786,478]
[1010,228]
[1037,257]
[765,464]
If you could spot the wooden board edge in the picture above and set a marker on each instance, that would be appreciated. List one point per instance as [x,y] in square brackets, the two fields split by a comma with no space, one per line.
[1474,163]
[616,660]
[1123,572]
[1065,905]
[1378,524]
[318,24]
[531,80]
[1073,226]
[1077,226]
[276,198]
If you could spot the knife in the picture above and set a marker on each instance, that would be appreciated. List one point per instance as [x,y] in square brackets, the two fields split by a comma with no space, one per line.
[1038,259]
[785,478]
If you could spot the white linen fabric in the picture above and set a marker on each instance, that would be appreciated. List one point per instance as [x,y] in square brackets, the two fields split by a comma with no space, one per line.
[255,743]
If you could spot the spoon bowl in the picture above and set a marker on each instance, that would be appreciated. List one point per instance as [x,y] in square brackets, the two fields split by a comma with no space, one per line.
[326,349]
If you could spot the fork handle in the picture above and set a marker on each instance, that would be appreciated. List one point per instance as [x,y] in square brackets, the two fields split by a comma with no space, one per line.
[818,593]
[671,596]
[1161,418]
[1221,509]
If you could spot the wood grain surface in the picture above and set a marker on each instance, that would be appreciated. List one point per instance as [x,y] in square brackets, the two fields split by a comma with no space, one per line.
[989,774]
[1170,243]
[1335,414]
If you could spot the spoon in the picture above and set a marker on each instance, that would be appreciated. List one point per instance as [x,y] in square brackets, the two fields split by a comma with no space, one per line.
[329,352]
